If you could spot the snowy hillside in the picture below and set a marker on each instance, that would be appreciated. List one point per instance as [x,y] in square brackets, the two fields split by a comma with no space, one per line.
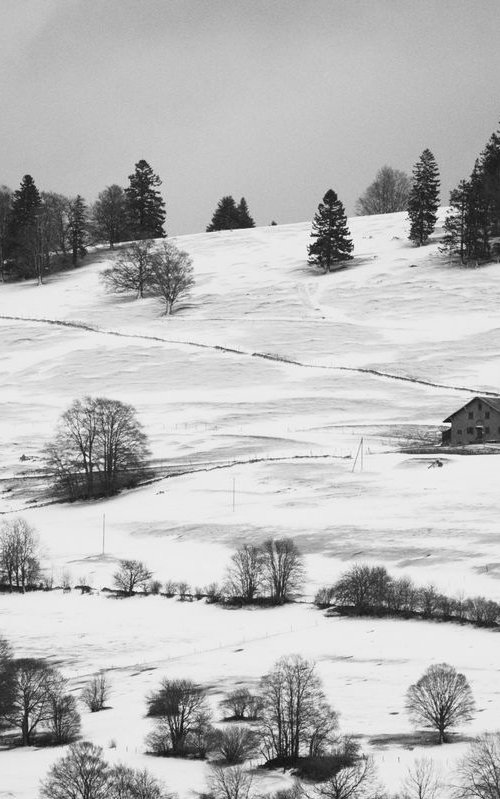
[258,390]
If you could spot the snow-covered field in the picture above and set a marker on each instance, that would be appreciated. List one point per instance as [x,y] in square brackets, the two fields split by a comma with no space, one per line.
[397,311]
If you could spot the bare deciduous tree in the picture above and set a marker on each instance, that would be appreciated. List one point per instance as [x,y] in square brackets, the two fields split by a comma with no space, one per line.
[63,719]
[479,769]
[230,783]
[129,783]
[131,574]
[96,693]
[242,704]
[100,445]
[387,194]
[132,271]
[171,274]
[32,682]
[246,572]
[283,568]
[296,718]
[19,554]
[353,782]
[442,698]
[421,781]
[109,215]
[183,719]
[81,774]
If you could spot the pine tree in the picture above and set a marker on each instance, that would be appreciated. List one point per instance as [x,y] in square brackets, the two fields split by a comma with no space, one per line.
[145,205]
[22,235]
[77,228]
[5,212]
[245,220]
[489,168]
[423,201]
[332,238]
[226,215]
[456,222]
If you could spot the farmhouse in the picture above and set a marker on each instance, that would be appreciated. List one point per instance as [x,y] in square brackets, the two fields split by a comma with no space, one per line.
[476,422]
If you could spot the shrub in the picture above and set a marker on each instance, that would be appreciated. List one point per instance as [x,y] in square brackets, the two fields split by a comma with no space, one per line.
[96,693]
[235,744]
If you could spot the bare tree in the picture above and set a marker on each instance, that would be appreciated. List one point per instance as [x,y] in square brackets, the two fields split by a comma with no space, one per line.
[479,769]
[32,684]
[100,445]
[235,743]
[388,193]
[442,698]
[132,574]
[6,679]
[283,568]
[246,572]
[132,271]
[19,554]
[109,215]
[296,718]
[421,781]
[172,274]
[129,783]
[63,719]
[230,783]
[81,774]
[354,782]
[182,714]
[96,693]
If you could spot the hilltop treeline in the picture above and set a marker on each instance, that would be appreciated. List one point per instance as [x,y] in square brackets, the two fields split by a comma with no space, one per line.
[371,591]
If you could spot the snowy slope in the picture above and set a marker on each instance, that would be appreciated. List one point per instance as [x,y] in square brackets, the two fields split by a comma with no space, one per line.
[209,399]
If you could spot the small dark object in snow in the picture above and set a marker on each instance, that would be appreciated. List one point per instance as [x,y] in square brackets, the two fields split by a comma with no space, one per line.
[412,265]
[437,464]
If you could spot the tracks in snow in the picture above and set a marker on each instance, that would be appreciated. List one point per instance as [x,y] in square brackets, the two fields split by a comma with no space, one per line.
[248,354]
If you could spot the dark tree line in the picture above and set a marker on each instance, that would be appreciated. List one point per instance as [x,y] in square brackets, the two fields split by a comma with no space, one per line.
[472,227]
[41,232]
[371,590]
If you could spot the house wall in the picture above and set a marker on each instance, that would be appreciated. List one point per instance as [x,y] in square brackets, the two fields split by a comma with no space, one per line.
[465,421]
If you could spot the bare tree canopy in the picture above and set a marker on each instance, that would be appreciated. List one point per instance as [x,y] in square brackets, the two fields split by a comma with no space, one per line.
[387,194]
[132,271]
[96,693]
[246,572]
[32,684]
[171,274]
[81,774]
[230,783]
[132,574]
[183,718]
[283,567]
[479,769]
[421,781]
[355,782]
[19,554]
[296,718]
[442,698]
[100,447]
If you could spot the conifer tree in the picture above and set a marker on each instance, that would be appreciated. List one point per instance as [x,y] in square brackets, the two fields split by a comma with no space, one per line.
[489,169]
[423,201]
[5,211]
[456,222]
[77,228]
[22,234]
[145,205]
[245,220]
[332,243]
[225,216]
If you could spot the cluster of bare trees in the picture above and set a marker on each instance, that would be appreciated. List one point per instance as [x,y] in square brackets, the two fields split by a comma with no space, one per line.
[274,571]
[149,269]
[371,590]
[83,773]
[19,555]
[99,447]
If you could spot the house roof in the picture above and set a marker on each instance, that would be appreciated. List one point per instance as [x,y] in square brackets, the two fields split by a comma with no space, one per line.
[492,402]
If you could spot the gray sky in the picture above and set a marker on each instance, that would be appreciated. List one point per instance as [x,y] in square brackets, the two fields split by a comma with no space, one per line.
[276,100]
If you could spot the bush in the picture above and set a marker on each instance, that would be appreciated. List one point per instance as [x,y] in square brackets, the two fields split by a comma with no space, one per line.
[154,587]
[170,588]
[235,744]
[96,693]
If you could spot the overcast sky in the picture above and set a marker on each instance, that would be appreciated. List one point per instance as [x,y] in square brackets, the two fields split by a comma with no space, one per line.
[276,100]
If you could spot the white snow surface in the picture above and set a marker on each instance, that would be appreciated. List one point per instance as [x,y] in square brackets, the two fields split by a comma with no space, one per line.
[398,311]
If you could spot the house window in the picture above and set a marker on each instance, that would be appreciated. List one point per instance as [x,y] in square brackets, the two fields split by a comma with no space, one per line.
[486,414]
[487,430]
[470,430]
[471,415]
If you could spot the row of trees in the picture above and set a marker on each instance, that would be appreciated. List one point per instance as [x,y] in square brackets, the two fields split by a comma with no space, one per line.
[371,590]
[42,231]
